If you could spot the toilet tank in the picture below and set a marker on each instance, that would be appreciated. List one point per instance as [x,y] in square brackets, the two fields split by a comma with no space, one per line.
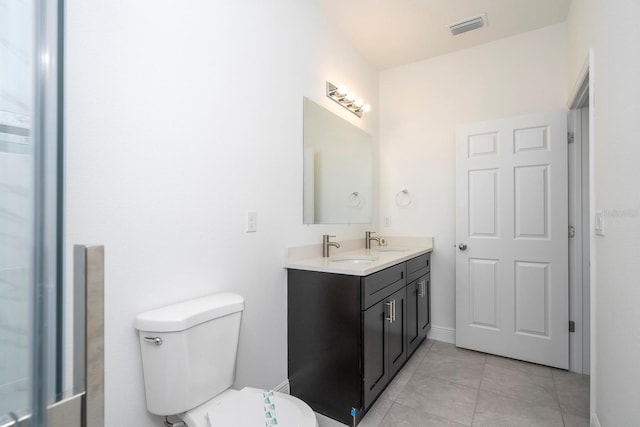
[189,351]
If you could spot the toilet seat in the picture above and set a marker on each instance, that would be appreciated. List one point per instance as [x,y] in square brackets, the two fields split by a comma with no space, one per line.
[246,408]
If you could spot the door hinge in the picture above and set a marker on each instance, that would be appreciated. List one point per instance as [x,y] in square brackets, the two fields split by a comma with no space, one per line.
[571,137]
[572,326]
[572,231]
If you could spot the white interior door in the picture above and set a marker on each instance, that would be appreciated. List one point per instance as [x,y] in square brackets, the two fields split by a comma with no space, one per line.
[512,235]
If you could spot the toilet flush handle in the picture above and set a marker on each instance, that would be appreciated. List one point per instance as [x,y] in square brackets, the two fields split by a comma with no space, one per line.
[155,340]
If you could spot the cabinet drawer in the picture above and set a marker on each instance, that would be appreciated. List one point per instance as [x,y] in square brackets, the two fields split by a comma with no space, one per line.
[380,285]
[418,266]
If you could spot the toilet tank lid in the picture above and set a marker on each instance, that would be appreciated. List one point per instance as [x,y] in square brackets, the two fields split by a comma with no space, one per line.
[187,314]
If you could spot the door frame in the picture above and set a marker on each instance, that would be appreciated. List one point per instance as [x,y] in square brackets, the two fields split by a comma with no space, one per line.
[579,243]
[582,263]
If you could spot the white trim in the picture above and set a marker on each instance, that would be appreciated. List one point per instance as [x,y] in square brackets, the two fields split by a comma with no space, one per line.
[578,98]
[283,387]
[586,245]
[592,211]
[583,97]
[595,422]
[574,125]
[441,333]
[579,296]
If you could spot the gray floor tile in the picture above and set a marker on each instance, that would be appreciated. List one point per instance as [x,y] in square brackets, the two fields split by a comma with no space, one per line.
[573,392]
[517,365]
[402,378]
[423,349]
[451,350]
[439,397]
[571,420]
[376,413]
[534,389]
[397,384]
[403,416]
[416,358]
[442,385]
[451,368]
[494,410]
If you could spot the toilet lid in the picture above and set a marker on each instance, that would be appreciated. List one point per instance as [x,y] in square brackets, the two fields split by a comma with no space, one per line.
[255,407]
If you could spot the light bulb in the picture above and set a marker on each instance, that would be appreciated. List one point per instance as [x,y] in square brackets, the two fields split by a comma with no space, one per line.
[351,96]
[342,90]
[366,108]
[359,102]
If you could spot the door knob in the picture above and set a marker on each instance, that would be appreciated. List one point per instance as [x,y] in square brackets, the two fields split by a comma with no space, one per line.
[462,246]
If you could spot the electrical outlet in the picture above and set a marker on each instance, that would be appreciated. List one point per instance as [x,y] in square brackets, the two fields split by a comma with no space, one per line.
[387,221]
[252,221]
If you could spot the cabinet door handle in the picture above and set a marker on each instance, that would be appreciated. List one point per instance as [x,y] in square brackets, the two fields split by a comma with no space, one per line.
[421,291]
[394,310]
[390,305]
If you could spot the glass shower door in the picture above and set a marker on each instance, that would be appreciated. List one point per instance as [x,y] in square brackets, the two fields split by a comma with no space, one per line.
[30,206]
[16,205]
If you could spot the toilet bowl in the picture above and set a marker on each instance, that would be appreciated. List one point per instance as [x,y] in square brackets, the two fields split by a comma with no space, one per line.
[189,354]
[247,408]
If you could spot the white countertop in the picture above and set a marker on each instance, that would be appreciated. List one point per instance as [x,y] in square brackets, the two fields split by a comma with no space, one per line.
[398,250]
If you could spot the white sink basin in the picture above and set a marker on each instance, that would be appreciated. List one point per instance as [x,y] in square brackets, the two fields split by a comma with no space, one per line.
[353,259]
[389,249]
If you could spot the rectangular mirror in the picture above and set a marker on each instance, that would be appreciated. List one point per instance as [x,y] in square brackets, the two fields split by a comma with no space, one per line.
[338,169]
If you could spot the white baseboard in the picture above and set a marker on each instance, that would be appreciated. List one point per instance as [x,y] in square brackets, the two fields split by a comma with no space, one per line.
[595,422]
[440,333]
[283,387]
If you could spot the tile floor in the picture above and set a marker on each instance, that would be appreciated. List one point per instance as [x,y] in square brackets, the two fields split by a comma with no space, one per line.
[442,385]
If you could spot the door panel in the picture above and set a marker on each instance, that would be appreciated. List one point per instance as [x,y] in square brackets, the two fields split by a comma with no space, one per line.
[413,329]
[424,306]
[483,289]
[483,203]
[397,331]
[532,298]
[532,202]
[511,225]
[376,375]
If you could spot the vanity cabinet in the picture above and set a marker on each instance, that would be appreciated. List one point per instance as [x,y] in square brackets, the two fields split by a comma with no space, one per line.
[348,336]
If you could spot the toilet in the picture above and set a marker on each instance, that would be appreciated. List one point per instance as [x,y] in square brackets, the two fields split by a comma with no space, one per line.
[189,358]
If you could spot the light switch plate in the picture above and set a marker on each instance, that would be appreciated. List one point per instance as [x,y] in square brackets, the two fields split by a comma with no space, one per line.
[599,223]
[252,221]
[387,221]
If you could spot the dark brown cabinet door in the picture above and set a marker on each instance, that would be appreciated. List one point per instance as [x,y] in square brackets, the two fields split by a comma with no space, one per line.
[376,374]
[397,331]
[385,343]
[414,332]
[424,304]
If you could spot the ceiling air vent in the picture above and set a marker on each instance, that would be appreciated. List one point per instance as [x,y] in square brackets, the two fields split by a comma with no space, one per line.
[468,25]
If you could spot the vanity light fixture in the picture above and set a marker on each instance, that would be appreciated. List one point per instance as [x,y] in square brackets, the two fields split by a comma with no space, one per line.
[347,99]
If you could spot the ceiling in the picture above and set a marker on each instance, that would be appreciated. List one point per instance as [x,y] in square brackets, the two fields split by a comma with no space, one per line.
[390,33]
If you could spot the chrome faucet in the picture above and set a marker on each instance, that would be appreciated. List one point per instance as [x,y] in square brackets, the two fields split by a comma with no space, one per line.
[326,243]
[368,239]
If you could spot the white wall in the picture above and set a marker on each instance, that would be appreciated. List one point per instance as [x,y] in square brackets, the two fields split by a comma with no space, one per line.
[179,118]
[421,104]
[610,28]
